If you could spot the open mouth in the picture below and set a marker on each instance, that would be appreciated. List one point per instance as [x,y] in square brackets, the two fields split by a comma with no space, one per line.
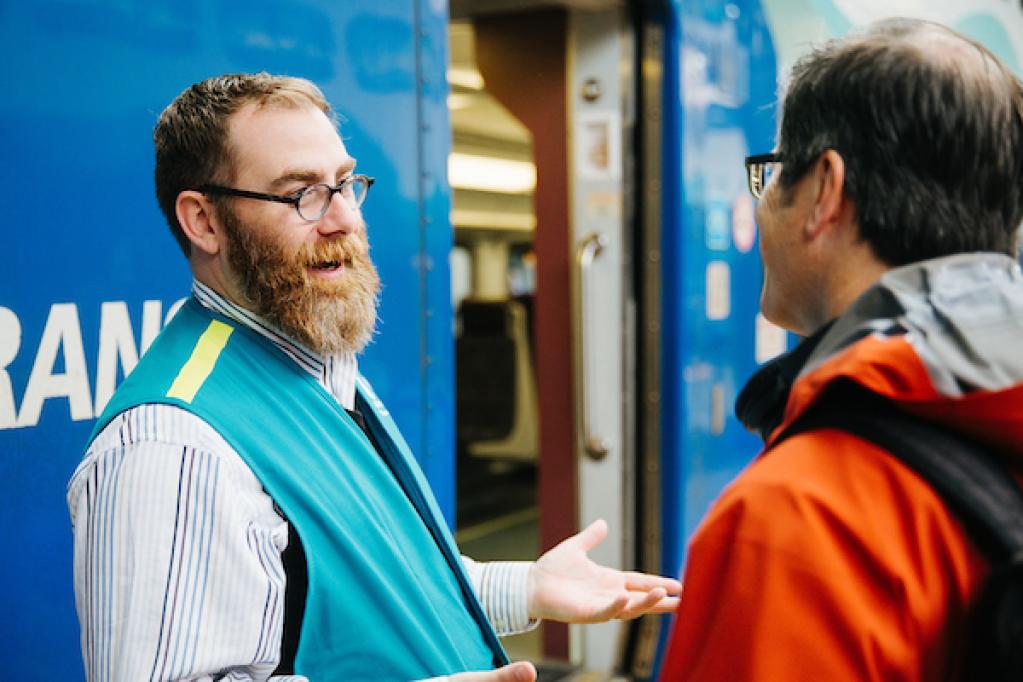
[328,267]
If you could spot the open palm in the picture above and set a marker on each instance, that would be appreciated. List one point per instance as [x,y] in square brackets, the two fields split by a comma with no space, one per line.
[567,586]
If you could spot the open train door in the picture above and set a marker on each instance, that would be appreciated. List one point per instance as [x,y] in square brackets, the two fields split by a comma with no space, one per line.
[564,71]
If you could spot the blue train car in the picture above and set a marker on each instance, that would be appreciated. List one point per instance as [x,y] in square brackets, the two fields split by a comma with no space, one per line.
[84,84]
[559,208]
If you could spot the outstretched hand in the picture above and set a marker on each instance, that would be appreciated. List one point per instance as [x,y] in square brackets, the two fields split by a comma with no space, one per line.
[567,586]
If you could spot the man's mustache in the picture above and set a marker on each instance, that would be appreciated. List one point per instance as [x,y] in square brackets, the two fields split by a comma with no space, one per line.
[347,250]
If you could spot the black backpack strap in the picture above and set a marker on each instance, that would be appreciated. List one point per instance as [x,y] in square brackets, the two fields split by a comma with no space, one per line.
[968,477]
[975,485]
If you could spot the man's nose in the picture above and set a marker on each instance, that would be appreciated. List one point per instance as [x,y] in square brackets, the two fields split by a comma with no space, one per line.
[340,217]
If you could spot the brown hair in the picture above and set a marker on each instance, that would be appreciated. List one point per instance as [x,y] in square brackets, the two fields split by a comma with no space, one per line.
[191,136]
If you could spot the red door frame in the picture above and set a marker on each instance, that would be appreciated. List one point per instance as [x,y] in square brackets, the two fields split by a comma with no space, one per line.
[522,57]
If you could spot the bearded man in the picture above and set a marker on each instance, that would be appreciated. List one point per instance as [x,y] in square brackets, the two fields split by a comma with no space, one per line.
[246,507]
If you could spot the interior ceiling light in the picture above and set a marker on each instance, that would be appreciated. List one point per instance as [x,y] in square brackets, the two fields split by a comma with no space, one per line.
[465,77]
[461,100]
[493,220]
[491,174]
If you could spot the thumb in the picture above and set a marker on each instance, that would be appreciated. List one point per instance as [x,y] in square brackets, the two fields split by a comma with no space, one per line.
[522,671]
[592,535]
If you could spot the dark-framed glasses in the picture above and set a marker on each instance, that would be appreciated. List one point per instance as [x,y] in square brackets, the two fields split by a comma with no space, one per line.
[760,168]
[311,202]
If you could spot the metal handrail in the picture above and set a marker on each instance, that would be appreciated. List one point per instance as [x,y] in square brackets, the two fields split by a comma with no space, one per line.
[596,447]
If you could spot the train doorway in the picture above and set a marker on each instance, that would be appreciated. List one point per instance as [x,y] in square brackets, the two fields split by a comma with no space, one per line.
[541,106]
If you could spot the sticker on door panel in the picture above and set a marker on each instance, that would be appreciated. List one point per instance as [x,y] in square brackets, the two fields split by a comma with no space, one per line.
[603,205]
[718,409]
[598,145]
[719,295]
[771,340]
[744,227]
[716,226]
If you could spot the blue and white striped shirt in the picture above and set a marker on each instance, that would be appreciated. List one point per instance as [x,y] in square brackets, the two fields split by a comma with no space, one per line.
[177,547]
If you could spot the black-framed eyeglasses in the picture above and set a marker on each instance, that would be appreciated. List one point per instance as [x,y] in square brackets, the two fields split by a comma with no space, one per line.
[310,202]
[760,168]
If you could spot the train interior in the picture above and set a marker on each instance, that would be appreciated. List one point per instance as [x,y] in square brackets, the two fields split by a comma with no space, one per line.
[518,287]
[493,282]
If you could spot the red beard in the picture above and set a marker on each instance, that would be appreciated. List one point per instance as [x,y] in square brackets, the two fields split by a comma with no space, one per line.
[328,316]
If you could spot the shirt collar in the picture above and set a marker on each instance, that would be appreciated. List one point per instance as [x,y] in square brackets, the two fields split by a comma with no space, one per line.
[336,373]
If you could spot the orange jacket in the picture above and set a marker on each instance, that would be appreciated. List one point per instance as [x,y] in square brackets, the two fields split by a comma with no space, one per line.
[828,559]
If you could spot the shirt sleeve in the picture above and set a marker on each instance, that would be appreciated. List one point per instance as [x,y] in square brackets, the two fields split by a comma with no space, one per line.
[502,587]
[177,555]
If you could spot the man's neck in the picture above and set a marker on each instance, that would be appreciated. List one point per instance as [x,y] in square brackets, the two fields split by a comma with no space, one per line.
[848,276]
[243,313]
[207,271]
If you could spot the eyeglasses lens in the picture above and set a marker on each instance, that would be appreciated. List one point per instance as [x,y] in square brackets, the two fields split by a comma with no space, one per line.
[355,192]
[313,202]
[316,199]
[760,175]
[756,179]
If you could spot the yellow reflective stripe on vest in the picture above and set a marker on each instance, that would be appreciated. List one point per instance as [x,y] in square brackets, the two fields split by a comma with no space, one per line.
[200,364]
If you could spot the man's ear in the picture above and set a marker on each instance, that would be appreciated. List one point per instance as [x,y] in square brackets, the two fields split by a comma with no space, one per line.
[195,215]
[830,202]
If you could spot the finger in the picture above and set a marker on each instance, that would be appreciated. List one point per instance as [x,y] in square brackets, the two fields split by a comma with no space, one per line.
[606,613]
[592,535]
[522,671]
[642,603]
[642,582]
[666,605]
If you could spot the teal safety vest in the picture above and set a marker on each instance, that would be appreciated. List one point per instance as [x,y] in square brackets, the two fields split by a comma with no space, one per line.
[388,596]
